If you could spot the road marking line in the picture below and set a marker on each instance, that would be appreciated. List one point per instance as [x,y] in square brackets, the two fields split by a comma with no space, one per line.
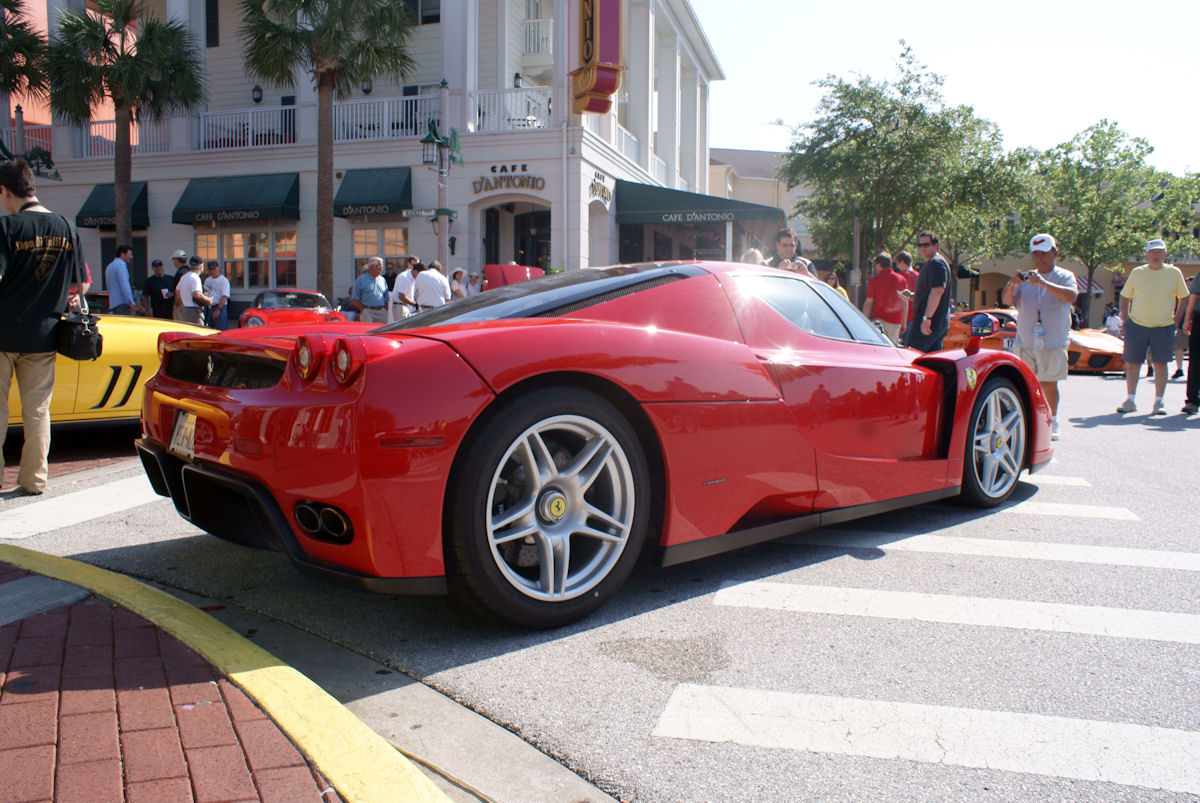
[1089,750]
[996,548]
[1055,479]
[979,611]
[57,512]
[1078,511]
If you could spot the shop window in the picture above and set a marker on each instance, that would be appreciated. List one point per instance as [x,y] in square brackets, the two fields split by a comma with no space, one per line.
[426,12]
[252,259]
[389,243]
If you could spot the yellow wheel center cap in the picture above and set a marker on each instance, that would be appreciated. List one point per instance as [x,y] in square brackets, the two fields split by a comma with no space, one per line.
[552,506]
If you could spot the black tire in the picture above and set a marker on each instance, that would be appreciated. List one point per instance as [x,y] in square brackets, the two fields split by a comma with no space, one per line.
[590,499]
[997,442]
[254,320]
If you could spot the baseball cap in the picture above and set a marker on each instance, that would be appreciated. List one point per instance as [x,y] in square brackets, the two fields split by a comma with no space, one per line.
[156,263]
[1155,243]
[1042,242]
[195,261]
[180,254]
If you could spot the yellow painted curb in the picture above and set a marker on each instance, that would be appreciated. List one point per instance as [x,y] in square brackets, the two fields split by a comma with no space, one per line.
[358,762]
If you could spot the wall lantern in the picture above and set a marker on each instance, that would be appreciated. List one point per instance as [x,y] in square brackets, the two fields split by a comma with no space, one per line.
[367,86]
[517,80]
[256,94]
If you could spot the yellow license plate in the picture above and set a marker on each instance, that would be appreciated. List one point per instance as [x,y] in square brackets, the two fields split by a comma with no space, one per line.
[183,438]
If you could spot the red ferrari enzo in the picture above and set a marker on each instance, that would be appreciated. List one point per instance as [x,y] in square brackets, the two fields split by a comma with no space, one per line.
[288,306]
[520,448]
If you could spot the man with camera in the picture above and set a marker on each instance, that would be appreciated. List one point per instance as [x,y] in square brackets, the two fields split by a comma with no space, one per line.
[38,255]
[1043,298]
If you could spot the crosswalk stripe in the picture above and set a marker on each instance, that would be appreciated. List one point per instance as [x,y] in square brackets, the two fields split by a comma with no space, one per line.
[1089,750]
[1077,511]
[1055,479]
[997,548]
[1019,614]
[56,512]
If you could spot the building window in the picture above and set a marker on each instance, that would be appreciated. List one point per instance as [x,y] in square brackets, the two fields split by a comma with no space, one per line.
[252,260]
[389,243]
[426,12]
[212,36]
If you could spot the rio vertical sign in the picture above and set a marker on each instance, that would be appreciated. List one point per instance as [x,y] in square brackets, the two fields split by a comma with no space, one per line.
[596,79]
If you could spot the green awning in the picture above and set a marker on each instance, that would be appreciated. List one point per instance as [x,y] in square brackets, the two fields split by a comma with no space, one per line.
[98,212]
[644,203]
[382,191]
[235,199]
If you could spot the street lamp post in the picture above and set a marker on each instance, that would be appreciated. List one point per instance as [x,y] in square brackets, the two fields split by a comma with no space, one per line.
[439,153]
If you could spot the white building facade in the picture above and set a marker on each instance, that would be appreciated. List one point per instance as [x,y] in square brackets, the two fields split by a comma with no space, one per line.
[539,185]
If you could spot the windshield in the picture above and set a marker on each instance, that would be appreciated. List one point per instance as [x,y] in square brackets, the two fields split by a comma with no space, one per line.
[294,300]
[545,296]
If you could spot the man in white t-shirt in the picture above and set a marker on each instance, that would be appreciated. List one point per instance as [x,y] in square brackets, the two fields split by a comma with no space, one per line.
[191,291]
[217,288]
[400,300]
[431,289]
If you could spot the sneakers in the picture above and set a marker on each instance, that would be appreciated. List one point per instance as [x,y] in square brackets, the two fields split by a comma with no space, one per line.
[1190,408]
[1159,409]
[1127,406]
[1178,373]
[1054,433]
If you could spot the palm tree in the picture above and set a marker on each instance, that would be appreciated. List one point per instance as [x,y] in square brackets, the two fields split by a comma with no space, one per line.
[340,44]
[22,49]
[148,68]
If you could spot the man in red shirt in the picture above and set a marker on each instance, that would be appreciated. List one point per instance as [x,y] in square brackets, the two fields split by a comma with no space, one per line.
[884,304]
[903,266]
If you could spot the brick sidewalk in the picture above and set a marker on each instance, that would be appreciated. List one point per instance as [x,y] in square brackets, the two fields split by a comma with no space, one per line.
[97,704]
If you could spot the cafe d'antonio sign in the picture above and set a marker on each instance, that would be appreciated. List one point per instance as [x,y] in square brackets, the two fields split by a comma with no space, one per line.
[508,177]
[595,81]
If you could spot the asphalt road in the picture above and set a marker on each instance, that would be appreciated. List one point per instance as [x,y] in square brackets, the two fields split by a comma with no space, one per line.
[1049,649]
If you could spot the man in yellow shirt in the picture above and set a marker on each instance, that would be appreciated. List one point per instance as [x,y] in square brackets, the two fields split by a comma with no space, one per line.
[1148,309]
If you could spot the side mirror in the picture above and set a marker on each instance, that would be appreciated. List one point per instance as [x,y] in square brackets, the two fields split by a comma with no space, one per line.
[982,325]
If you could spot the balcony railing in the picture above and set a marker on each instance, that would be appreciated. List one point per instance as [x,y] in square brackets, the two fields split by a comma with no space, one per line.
[512,109]
[539,37]
[145,137]
[387,118]
[628,144]
[36,136]
[659,170]
[681,183]
[247,128]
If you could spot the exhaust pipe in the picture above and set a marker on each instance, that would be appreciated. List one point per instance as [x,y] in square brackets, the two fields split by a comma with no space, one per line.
[334,523]
[308,518]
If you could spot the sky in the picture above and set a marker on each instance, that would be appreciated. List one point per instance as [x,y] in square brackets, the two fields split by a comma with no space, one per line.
[1042,71]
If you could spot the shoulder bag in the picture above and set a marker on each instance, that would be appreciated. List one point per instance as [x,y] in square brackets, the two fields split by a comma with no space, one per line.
[78,333]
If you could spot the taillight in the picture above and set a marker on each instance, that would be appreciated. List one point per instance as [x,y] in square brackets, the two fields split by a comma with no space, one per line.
[168,337]
[308,353]
[348,356]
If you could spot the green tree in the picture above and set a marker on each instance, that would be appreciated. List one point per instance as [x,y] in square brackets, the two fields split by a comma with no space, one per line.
[22,50]
[892,154]
[340,44]
[148,68]
[1108,200]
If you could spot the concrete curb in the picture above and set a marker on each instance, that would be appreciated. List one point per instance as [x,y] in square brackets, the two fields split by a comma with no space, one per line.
[359,763]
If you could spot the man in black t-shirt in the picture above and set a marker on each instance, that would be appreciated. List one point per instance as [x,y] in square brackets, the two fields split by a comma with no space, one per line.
[158,293]
[931,301]
[38,255]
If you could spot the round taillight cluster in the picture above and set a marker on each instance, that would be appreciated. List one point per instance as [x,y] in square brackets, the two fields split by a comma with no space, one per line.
[307,355]
[348,357]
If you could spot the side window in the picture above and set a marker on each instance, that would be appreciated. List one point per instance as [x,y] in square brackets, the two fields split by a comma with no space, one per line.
[860,328]
[796,301]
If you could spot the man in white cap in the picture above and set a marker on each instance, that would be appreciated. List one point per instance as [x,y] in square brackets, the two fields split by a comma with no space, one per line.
[1043,299]
[1148,303]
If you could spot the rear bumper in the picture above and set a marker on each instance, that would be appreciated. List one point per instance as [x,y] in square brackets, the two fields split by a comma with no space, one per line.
[242,510]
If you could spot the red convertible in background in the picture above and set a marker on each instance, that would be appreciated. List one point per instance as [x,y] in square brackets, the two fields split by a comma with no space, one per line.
[520,448]
[288,306]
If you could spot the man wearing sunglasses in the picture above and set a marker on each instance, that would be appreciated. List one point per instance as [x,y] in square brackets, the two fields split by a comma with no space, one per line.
[931,300]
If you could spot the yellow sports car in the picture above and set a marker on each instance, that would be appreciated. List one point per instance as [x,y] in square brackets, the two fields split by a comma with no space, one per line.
[110,388]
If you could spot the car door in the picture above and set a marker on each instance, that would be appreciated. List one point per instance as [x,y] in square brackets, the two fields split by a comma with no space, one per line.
[872,416]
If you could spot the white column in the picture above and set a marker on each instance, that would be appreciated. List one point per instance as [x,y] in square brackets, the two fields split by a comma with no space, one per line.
[641,75]
[689,127]
[702,140]
[668,104]
[460,46]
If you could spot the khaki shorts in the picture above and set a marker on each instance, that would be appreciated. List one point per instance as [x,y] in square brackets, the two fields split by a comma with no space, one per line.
[1049,365]
[892,330]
